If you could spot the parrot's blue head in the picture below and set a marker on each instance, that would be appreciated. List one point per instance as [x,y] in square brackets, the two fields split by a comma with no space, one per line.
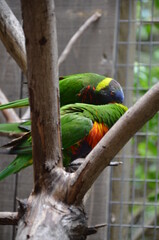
[110,91]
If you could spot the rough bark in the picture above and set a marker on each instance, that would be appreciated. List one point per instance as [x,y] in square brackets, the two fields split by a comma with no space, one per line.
[47,212]
[48,215]
[11,34]
[41,45]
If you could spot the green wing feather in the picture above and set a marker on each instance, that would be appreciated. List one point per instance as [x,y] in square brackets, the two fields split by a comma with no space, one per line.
[15,104]
[11,128]
[74,128]
[76,82]
[76,122]
[67,94]
[20,162]
[107,114]
[21,145]
[14,128]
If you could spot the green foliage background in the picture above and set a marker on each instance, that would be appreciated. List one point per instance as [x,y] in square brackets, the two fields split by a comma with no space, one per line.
[146,74]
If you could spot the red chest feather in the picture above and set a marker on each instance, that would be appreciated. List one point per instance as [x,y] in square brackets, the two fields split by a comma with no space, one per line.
[87,95]
[83,147]
[96,133]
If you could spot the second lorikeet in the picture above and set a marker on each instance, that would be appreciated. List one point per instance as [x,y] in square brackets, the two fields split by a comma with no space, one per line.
[82,126]
[85,88]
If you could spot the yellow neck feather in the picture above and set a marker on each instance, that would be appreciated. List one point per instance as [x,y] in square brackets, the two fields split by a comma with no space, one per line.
[104,83]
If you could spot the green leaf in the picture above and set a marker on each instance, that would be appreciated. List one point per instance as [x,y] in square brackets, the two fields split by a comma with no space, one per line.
[147,149]
[153,196]
[156,3]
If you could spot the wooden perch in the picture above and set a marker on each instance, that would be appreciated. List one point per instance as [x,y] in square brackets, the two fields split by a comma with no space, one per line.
[12,36]
[9,114]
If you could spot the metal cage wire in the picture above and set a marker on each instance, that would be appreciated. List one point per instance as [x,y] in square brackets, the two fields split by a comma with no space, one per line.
[141,206]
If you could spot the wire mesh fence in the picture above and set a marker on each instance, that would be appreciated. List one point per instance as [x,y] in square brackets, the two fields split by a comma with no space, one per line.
[133,205]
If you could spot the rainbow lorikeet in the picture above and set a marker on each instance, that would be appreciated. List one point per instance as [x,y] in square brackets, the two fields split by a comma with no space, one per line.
[85,88]
[82,126]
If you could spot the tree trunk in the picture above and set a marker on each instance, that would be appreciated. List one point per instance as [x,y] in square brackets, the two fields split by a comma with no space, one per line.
[49,218]
[47,213]
[41,46]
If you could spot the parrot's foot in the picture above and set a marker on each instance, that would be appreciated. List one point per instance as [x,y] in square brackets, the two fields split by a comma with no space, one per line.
[112,164]
[74,165]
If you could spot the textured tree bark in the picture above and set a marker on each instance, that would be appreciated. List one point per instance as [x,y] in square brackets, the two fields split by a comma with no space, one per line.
[48,215]
[11,34]
[41,45]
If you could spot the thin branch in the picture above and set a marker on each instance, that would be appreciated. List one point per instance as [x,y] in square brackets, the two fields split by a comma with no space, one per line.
[9,218]
[9,114]
[12,36]
[76,36]
[111,144]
